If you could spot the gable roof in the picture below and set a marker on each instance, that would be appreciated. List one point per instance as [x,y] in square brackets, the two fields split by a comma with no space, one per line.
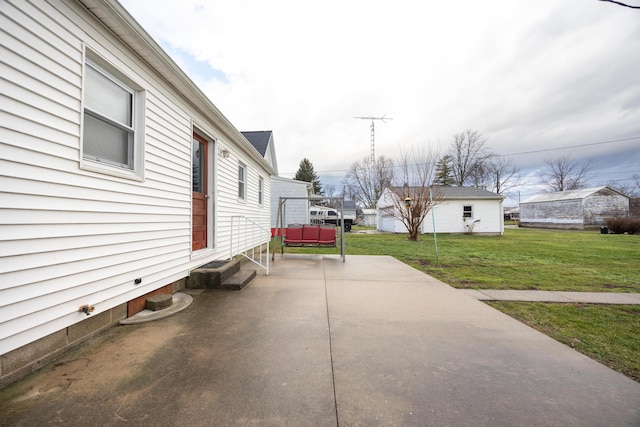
[447,192]
[569,195]
[453,193]
[259,139]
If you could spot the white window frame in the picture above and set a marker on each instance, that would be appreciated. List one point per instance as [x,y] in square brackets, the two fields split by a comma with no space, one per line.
[260,190]
[134,169]
[242,181]
[467,213]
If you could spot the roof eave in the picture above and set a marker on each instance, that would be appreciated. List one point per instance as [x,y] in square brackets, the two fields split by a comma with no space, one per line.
[116,18]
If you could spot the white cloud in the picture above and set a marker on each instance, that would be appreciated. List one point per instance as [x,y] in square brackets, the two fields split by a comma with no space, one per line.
[527,74]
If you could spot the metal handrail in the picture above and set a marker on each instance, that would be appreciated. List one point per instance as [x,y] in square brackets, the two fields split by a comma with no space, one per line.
[251,233]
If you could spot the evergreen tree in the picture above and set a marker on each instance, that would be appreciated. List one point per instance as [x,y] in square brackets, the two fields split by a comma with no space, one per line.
[306,173]
[444,171]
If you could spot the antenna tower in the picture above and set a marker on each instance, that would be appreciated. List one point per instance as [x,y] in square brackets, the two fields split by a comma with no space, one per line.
[373,137]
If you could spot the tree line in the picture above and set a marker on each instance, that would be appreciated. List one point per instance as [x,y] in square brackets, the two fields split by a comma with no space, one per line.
[415,175]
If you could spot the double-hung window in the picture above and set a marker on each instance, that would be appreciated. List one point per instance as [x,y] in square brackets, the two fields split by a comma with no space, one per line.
[112,137]
[467,211]
[242,181]
[260,190]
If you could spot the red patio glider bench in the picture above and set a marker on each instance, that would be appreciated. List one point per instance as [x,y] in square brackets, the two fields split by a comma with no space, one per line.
[310,235]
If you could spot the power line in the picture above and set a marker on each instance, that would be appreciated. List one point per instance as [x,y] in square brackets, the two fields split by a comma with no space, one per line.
[570,146]
[516,154]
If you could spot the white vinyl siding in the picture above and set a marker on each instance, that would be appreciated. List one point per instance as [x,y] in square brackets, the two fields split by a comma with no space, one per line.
[71,235]
[294,211]
[449,216]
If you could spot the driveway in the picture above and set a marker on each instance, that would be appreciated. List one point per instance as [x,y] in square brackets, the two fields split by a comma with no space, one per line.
[320,342]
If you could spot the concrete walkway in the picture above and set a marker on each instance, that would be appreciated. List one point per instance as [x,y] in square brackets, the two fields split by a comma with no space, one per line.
[554,296]
[319,342]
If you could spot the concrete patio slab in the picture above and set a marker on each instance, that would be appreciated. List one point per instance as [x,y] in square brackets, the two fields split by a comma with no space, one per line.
[319,342]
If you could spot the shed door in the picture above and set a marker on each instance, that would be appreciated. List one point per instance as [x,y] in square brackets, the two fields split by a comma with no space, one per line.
[199,193]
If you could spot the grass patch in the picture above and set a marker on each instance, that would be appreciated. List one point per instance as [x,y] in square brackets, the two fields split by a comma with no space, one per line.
[608,334]
[550,260]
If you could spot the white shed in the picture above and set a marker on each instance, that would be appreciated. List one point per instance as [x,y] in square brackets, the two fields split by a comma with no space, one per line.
[458,210]
[369,217]
[294,211]
[119,176]
[574,209]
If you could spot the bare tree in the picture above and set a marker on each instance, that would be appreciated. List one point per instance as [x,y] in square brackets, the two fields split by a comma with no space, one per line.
[366,182]
[564,173]
[504,175]
[413,190]
[631,189]
[330,190]
[468,152]
[481,174]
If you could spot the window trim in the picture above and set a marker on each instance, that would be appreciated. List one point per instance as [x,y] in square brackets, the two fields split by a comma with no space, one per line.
[467,213]
[136,170]
[260,190]
[242,182]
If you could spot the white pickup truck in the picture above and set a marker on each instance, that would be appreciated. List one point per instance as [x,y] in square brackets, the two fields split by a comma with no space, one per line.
[323,215]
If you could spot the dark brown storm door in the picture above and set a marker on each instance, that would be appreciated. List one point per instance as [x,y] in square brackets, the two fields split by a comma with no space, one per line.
[199,193]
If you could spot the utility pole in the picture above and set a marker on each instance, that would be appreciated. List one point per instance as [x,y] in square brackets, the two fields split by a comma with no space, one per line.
[373,138]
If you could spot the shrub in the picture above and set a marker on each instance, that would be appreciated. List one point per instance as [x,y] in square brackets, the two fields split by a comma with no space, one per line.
[624,225]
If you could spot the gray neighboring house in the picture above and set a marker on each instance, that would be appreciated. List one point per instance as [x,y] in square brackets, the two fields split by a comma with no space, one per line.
[575,209]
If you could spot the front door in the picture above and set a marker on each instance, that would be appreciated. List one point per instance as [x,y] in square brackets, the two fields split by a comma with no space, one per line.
[199,193]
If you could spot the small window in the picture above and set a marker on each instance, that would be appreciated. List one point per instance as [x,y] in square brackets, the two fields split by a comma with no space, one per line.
[467,212]
[260,190]
[113,121]
[242,182]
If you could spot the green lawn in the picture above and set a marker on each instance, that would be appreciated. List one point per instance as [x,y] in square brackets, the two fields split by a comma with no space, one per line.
[535,259]
[521,259]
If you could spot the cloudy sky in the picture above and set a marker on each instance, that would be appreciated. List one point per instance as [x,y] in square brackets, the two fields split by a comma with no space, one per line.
[538,78]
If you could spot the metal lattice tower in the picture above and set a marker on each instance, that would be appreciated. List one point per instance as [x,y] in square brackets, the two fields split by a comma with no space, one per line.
[373,133]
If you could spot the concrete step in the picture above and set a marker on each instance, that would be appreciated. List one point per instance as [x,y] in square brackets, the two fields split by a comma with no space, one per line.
[159,302]
[239,280]
[212,275]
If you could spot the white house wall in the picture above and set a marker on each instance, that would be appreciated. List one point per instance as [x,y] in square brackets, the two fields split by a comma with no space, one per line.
[70,236]
[448,217]
[228,205]
[295,211]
